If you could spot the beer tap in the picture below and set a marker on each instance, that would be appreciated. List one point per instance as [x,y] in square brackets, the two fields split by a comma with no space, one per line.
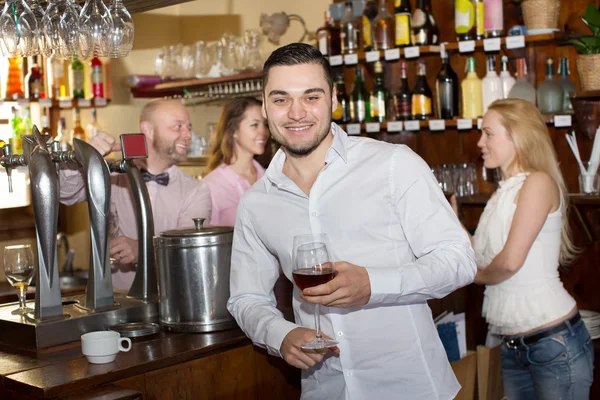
[9,162]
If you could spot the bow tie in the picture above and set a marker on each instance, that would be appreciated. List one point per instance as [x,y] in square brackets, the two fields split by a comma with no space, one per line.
[161,179]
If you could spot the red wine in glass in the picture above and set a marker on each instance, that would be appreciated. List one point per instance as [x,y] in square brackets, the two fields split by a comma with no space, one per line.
[309,277]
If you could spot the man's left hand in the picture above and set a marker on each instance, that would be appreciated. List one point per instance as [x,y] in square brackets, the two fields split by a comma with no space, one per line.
[124,250]
[350,288]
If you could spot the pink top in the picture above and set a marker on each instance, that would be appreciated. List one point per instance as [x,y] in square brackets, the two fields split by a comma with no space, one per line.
[226,189]
[173,207]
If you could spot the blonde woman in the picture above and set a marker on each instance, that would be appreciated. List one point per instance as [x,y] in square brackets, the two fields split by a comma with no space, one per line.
[241,134]
[522,237]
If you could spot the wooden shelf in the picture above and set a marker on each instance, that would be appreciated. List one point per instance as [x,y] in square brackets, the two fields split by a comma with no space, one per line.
[62,104]
[589,95]
[200,161]
[536,40]
[177,88]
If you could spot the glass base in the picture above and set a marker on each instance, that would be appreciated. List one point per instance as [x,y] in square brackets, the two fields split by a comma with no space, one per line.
[319,344]
[22,311]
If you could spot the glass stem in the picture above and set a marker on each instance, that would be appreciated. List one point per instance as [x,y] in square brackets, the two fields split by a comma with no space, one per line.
[318,321]
[22,297]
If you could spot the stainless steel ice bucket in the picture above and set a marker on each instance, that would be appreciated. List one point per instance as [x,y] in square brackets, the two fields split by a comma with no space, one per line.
[193,276]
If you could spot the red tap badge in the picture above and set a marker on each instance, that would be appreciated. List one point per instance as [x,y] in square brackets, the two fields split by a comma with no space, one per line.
[133,145]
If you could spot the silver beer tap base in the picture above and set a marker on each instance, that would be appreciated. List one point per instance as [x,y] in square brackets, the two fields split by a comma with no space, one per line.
[24,332]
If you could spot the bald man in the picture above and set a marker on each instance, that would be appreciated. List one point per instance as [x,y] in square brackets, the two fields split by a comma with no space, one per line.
[176,197]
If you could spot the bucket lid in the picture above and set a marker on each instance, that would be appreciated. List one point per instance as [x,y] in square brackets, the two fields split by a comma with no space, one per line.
[198,231]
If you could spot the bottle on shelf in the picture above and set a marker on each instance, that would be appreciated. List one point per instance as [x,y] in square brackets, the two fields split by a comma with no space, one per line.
[78,131]
[342,113]
[464,19]
[368,26]
[472,105]
[491,84]
[446,89]
[479,19]
[35,82]
[421,94]
[379,96]
[567,85]
[323,36]
[507,79]
[27,124]
[16,127]
[349,31]
[402,99]
[59,85]
[549,93]
[14,82]
[435,30]
[493,18]
[383,28]
[421,26]
[98,78]
[522,89]
[328,38]
[45,122]
[93,127]
[402,23]
[63,137]
[77,79]
[359,99]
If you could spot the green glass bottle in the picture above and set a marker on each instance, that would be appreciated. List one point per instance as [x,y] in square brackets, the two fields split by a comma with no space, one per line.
[379,96]
[359,99]
[77,78]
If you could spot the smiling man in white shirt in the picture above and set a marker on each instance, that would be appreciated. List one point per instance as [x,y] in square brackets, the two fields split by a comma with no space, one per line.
[396,238]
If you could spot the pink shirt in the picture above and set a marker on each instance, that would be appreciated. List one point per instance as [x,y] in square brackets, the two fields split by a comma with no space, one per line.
[226,189]
[173,207]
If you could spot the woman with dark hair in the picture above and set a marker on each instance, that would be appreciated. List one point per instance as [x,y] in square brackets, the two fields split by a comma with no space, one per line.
[241,134]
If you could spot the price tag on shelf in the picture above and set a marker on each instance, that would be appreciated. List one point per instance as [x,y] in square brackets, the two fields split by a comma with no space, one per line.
[412,125]
[466,46]
[479,122]
[462,124]
[437,124]
[394,126]
[412,52]
[353,129]
[373,127]
[1,102]
[100,102]
[492,44]
[392,54]
[372,56]
[334,61]
[23,102]
[560,121]
[45,103]
[351,59]
[84,103]
[515,42]
[65,103]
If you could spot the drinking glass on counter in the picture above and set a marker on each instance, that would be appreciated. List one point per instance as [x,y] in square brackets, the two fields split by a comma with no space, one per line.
[459,179]
[19,269]
[313,266]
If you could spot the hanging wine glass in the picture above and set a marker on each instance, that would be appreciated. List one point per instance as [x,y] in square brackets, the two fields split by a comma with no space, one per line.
[60,27]
[38,12]
[18,27]
[96,19]
[122,32]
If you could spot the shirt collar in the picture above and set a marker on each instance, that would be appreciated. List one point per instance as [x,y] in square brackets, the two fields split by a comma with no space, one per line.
[337,149]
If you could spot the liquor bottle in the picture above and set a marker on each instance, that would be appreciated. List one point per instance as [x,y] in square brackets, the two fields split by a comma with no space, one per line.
[472,106]
[566,84]
[93,127]
[45,123]
[402,23]
[435,30]
[76,79]
[26,121]
[63,137]
[35,83]
[323,37]
[379,96]
[14,82]
[491,84]
[479,19]
[550,94]
[59,86]
[97,78]
[464,19]
[493,18]
[328,38]
[507,79]
[350,33]
[359,107]
[446,88]
[16,126]
[78,131]
[421,94]
[402,100]
[368,30]
[383,28]
[522,89]
[342,113]
[421,26]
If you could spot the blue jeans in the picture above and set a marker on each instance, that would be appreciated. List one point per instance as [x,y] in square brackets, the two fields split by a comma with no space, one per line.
[555,367]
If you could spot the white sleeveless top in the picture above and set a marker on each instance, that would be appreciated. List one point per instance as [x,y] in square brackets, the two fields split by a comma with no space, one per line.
[534,295]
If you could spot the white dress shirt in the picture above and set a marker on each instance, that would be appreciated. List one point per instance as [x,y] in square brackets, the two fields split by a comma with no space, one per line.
[382,209]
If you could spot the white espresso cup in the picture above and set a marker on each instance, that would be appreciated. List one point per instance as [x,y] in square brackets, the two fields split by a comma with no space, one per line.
[102,347]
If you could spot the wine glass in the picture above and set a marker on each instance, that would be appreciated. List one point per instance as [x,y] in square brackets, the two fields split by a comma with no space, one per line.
[96,17]
[19,268]
[60,27]
[313,266]
[121,38]
[19,27]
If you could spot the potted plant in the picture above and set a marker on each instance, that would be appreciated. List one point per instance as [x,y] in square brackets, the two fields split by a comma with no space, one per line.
[588,47]
[540,16]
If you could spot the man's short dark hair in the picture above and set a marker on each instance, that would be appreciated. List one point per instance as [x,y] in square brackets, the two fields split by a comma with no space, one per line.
[297,54]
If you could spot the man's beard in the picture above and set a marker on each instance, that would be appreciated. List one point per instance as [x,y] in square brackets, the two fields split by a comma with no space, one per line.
[301,150]
[168,151]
